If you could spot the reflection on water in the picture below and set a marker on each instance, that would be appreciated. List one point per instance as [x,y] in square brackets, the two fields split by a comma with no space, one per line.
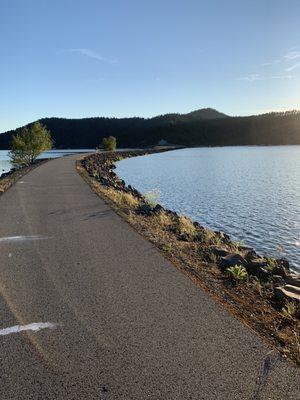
[251,193]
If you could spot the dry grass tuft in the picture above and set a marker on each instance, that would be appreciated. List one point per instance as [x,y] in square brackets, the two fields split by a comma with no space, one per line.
[257,286]
[290,310]
[185,226]
[163,219]
[125,200]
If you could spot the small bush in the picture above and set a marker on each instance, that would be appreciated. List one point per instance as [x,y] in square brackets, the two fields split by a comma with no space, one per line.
[109,143]
[185,226]
[238,273]
[29,143]
[151,197]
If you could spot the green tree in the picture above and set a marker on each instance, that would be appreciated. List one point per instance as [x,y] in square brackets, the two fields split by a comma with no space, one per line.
[29,143]
[109,143]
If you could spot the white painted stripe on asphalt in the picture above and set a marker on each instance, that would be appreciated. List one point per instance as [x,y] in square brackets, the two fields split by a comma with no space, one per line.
[21,238]
[35,326]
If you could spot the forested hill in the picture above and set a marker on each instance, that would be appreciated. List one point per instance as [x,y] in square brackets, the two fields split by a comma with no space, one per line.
[206,127]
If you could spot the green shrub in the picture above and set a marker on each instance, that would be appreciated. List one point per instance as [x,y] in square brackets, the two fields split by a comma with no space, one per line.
[151,197]
[27,145]
[109,143]
[217,240]
[238,273]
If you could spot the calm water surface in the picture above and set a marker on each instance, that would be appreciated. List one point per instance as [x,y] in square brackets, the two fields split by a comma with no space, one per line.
[5,165]
[251,193]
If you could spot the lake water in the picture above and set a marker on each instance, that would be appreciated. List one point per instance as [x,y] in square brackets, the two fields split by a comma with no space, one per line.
[6,166]
[250,193]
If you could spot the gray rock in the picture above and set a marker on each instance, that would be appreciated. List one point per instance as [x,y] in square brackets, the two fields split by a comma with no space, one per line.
[255,264]
[245,248]
[250,255]
[158,208]
[284,263]
[293,279]
[219,251]
[264,274]
[278,280]
[279,270]
[287,292]
[232,259]
[145,209]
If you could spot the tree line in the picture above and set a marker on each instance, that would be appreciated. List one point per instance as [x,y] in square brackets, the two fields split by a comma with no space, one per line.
[30,142]
[193,129]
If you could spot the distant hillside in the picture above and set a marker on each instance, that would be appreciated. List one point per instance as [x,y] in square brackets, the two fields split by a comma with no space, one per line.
[205,127]
[205,113]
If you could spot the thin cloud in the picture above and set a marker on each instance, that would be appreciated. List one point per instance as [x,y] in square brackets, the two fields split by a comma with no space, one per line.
[91,54]
[292,55]
[256,77]
[250,78]
[281,77]
[295,66]
[266,64]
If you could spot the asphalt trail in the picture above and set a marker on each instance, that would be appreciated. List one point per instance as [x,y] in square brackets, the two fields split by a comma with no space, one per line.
[96,312]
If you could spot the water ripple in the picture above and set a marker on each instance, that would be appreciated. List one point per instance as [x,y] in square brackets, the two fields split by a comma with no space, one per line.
[251,193]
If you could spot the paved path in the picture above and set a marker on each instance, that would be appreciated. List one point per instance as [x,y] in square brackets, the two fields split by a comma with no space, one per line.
[130,325]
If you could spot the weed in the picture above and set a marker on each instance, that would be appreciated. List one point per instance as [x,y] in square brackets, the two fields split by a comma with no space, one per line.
[217,240]
[271,264]
[257,285]
[167,247]
[238,273]
[207,237]
[213,258]
[290,310]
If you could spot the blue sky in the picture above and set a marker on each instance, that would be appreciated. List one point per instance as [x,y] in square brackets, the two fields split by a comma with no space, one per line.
[142,58]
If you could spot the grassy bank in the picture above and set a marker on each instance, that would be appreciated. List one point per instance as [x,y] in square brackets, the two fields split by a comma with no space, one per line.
[250,286]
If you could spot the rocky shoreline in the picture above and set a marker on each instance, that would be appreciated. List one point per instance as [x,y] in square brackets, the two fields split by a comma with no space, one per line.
[263,292]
